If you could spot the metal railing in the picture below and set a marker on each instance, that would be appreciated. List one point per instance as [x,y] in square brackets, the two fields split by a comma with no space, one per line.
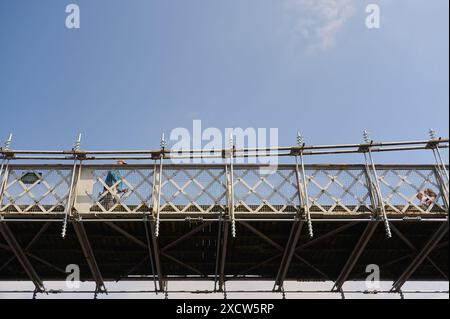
[233,190]
[332,189]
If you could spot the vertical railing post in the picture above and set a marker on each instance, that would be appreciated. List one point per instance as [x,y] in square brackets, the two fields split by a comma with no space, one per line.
[157,185]
[370,187]
[229,173]
[301,195]
[5,159]
[441,171]
[3,183]
[443,186]
[302,184]
[155,188]
[375,183]
[4,168]
[72,188]
[152,232]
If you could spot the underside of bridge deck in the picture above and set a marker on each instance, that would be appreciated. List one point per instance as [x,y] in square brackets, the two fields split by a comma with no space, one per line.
[189,251]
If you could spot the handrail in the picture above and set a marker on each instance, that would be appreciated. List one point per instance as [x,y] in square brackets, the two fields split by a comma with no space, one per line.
[220,153]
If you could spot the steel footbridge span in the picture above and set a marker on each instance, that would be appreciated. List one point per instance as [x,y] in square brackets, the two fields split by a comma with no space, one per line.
[222,222]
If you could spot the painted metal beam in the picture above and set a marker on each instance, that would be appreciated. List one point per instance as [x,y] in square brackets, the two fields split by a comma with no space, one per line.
[38,259]
[150,257]
[260,234]
[326,236]
[216,268]
[30,244]
[411,255]
[288,254]
[193,269]
[415,250]
[223,257]
[185,236]
[421,256]
[244,272]
[356,253]
[280,248]
[303,246]
[156,254]
[150,247]
[126,234]
[21,257]
[89,255]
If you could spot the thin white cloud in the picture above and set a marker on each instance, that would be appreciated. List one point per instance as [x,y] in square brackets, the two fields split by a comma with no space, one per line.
[315,24]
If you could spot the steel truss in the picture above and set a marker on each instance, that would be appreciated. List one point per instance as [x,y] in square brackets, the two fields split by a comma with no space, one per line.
[227,195]
[21,256]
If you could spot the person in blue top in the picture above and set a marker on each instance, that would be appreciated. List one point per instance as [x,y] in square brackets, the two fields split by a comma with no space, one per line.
[114,176]
[114,181]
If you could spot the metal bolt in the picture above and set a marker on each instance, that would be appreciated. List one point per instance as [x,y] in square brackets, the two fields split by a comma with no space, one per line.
[64,229]
[310,228]
[387,228]
[157,228]
[233,229]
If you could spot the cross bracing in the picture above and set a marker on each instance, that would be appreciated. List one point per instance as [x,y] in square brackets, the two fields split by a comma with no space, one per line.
[223,222]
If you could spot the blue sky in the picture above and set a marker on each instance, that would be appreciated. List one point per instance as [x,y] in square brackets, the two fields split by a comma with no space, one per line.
[138,68]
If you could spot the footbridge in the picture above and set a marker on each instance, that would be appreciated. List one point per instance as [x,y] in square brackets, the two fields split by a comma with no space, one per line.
[159,221]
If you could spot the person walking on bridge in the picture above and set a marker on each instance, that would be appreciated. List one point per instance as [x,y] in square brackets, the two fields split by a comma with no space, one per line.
[116,186]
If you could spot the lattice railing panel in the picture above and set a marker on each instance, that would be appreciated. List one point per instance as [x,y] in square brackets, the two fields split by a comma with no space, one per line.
[193,190]
[202,189]
[138,184]
[399,188]
[257,191]
[38,190]
[338,190]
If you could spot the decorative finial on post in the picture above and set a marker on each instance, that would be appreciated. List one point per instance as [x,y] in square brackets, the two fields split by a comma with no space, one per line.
[231,141]
[366,137]
[300,139]
[4,157]
[433,134]
[8,142]
[77,144]
[163,142]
